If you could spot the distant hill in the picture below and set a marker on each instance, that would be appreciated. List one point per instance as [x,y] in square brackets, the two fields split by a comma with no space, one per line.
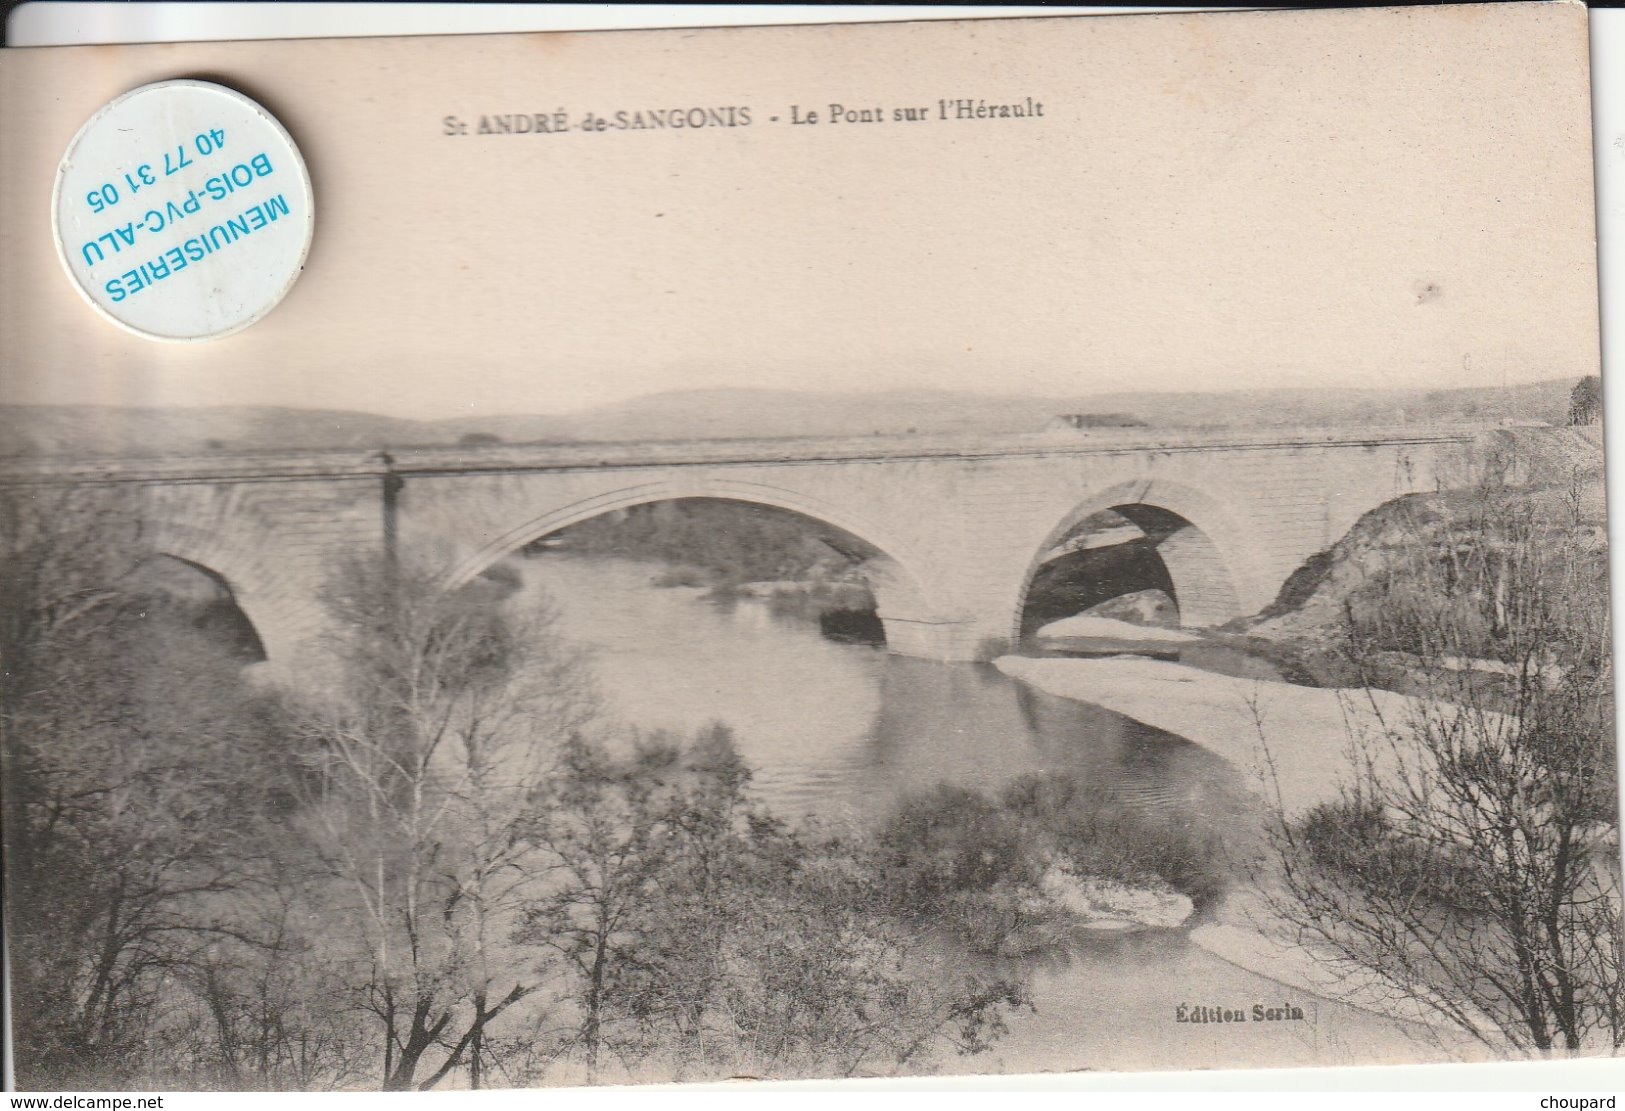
[739,413]
[111,430]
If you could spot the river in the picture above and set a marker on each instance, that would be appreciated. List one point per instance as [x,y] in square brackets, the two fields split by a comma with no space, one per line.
[839,732]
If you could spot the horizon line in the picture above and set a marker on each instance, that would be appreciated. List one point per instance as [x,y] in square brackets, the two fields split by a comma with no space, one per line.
[848,393]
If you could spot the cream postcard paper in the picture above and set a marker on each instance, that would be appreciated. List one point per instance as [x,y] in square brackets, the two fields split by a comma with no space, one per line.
[835,550]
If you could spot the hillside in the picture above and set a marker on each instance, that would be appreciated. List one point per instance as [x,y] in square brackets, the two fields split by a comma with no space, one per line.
[108,430]
[1556,476]
[738,413]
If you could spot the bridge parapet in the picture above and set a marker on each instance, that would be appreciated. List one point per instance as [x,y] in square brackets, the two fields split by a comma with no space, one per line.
[497,458]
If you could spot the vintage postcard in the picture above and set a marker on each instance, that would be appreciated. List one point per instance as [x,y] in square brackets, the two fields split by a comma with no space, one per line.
[998,546]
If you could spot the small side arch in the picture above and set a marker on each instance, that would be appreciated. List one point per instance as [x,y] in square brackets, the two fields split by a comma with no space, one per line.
[1205,550]
[246,578]
[206,594]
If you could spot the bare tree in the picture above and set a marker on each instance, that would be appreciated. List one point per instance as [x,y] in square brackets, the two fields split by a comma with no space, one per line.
[1472,860]
[693,931]
[262,1016]
[602,825]
[137,779]
[442,717]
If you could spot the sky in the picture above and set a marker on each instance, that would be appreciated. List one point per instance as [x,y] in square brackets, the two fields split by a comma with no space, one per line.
[1240,200]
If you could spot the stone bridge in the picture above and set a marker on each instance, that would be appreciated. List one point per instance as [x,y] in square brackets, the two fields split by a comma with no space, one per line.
[960,525]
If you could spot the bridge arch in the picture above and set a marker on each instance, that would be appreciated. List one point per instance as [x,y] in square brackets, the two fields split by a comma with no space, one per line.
[278,613]
[1211,570]
[207,596]
[901,579]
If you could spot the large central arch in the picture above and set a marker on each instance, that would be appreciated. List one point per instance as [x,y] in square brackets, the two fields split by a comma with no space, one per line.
[1207,554]
[901,579]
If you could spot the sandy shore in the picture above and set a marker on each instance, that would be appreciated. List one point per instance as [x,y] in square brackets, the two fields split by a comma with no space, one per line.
[1295,744]
[1291,741]
[1291,966]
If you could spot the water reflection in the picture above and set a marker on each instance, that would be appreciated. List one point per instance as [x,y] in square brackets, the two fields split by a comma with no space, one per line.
[842,731]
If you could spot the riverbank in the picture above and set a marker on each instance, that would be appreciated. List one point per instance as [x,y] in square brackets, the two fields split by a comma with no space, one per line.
[838,735]
[1296,745]
[1287,740]
[1291,966]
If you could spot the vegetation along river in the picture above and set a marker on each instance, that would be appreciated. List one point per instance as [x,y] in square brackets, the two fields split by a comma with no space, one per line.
[840,732]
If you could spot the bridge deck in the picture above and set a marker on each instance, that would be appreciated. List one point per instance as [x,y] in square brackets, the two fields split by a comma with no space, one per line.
[521,458]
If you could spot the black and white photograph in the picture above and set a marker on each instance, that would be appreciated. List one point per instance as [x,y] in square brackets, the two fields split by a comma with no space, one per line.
[1006,546]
